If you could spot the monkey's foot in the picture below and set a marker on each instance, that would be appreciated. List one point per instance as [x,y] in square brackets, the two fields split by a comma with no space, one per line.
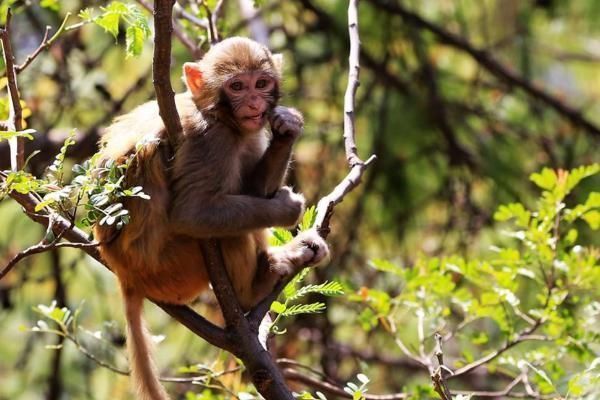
[315,251]
[308,249]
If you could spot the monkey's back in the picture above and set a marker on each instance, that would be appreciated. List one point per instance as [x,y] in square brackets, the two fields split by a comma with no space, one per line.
[145,256]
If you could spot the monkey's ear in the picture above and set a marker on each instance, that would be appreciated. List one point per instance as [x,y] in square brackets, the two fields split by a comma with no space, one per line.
[278,62]
[192,76]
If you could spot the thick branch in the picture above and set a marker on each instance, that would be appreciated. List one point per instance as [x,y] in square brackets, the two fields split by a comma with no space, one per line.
[178,32]
[15,116]
[161,70]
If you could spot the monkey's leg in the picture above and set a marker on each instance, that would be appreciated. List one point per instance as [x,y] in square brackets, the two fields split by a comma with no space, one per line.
[307,249]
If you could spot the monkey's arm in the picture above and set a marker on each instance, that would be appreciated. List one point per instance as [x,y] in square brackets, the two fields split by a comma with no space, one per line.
[269,173]
[229,215]
[286,125]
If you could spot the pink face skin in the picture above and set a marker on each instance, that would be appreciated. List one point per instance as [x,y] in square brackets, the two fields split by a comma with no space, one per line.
[250,95]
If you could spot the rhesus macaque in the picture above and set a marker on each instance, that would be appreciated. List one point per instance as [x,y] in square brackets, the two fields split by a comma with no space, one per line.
[223,181]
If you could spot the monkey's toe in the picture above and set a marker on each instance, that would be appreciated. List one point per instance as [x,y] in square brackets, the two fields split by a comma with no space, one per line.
[317,251]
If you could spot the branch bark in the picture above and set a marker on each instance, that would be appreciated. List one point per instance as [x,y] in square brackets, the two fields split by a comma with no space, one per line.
[161,70]
[15,116]
[357,166]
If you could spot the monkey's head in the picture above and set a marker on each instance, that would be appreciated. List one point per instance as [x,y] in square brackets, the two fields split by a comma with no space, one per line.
[239,74]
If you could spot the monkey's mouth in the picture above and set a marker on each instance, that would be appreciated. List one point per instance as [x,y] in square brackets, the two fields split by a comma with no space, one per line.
[255,118]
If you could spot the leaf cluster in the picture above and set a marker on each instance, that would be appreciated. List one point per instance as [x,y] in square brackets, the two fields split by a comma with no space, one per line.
[541,288]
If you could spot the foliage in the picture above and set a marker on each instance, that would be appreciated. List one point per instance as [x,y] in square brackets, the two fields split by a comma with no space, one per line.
[296,289]
[137,31]
[540,289]
[97,187]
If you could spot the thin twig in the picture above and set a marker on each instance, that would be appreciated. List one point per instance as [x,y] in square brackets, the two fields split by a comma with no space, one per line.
[179,12]
[44,45]
[178,32]
[524,336]
[213,33]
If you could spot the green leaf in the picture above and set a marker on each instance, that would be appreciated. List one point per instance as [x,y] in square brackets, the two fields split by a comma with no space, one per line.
[116,7]
[110,23]
[278,307]
[513,210]
[312,308]
[308,219]
[592,218]
[280,236]
[86,15]
[546,179]
[53,5]
[577,174]
[367,320]
[326,289]
[27,133]
[290,289]
[386,266]
[134,41]
[538,371]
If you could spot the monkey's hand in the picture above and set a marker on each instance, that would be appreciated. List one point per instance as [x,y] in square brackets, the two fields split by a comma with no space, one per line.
[286,123]
[290,206]
[308,249]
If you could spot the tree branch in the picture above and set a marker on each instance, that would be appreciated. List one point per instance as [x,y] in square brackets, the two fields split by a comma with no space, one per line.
[44,45]
[15,116]
[357,166]
[183,38]
[161,70]
[491,64]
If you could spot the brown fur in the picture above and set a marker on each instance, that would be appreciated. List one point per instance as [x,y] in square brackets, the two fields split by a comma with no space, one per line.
[221,182]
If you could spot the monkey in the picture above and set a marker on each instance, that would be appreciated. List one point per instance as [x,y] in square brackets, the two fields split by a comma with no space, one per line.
[224,180]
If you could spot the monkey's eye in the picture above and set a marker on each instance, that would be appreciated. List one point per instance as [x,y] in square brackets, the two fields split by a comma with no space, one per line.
[261,83]
[236,86]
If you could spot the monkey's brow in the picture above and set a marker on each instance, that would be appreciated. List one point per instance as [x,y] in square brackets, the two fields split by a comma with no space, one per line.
[230,67]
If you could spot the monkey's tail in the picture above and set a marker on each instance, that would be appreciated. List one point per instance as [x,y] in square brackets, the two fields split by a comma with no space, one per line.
[143,371]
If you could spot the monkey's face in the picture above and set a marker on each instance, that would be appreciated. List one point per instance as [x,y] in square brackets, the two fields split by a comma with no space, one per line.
[251,95]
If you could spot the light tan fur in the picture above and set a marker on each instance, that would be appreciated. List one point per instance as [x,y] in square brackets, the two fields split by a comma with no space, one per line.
[221,182]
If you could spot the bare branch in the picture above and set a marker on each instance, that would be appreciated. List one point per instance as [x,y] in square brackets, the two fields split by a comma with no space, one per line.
[15,116]
[213,33]
[45,45]
[524,336]
[357,166]
[353,83]
[161,68]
